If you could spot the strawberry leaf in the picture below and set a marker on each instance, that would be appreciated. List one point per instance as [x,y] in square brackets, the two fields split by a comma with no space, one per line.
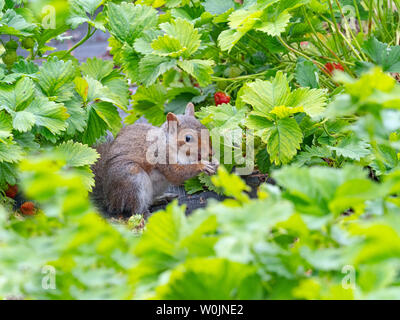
[77,154]
[127,21]
[383,55]
[283,140]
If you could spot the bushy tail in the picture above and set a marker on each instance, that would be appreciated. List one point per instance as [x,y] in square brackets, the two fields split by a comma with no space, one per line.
[99,170]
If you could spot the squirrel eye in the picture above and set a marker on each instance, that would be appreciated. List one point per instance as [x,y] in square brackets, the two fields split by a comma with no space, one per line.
[189,138]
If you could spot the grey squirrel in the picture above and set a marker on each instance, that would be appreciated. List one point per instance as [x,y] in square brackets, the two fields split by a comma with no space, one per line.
[143,161]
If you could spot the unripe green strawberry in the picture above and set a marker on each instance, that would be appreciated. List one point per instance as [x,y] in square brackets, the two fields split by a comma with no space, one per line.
[28,43]
[221,85]
[11,45]
[10,57]
[234,72]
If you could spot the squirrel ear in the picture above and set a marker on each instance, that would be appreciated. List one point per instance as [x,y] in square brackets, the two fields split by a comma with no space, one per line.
[189,110]
[172,117]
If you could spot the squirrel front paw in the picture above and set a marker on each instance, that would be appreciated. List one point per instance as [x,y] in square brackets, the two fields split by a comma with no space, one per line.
[210,168]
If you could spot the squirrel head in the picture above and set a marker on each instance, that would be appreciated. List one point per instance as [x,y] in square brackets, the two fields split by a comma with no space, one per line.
[188,137]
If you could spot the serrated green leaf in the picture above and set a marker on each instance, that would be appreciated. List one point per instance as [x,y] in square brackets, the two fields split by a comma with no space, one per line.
[129,60]
[179,98]
[96,128]
[263,96]
[240,22]
[14,97]
[263,160]
[26,140]
[149,102]
[170,238]
[351,149]
[151,67]
[8,173]
[96,68]
[127,21]
[313,153]
[5,125]
[206,181]
[218,7]
[258,123]
[10,152]
[102,116]
[14,24]
[275,25]
[82,88]
[231,184]
[23,121]
[228,38]
[167,46]
[224,118]
[109,114]
[184,32]
[307,74]
[119,88]
[77,154]
[48,114]
[215,279]
[80,9]
[383,55]
[199,69]
[193,186]
[283,140]
[312,189]
[99,92]
[56,79]
[313,101]
[25,67]
[282,112]
[77,116]
[90,6]
[244,19]
[143,44]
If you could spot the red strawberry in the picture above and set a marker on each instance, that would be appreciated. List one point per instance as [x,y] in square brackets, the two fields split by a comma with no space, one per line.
[330,67]
[12,191]
[28,208]
[221,98]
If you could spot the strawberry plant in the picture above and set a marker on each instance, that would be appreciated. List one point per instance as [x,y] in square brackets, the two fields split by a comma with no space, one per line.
[312,86]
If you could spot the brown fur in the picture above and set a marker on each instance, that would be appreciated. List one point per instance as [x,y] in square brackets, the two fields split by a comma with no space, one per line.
[126,183]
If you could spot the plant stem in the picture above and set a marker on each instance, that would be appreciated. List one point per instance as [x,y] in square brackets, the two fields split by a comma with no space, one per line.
[338,32]
[321,42]
[88,35]
[297,52]
[397,36]
[351,32]
[315,32]
[248,67]
[370,11]
[262,46]
[335,34]
[250,76]
[358,17]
